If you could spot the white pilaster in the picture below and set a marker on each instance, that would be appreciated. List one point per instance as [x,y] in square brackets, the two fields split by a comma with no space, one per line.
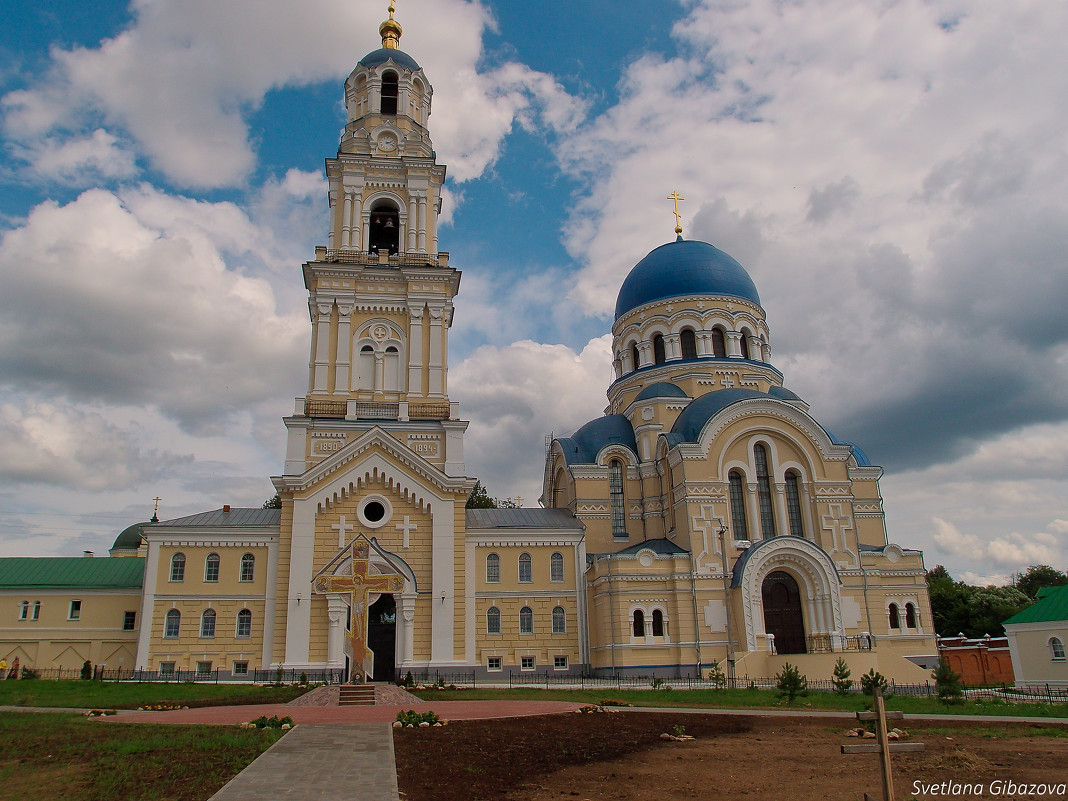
[270,603]
[415,351]
[421,245]
[322,348]
[346,222]
[344,347]
[443,583]
[302,546]
[437,387]
[337,612]
[148,605]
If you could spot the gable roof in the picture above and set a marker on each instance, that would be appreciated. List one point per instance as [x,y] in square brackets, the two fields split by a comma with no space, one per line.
[534,517]
[1050,607]
[76,572]
[217,518]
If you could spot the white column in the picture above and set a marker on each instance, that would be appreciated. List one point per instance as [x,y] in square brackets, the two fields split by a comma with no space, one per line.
[148,603]
[302,547]
[422,225]
[443,583]
[782,519]
[674,347]
[379,372]
[344,347]
[734,346]
[413,209]
[346,222]
[436,389]
[337,611]
[270,602]
[322,348]
[415,351]
[365,227]
[704,344]
[406,643]
[357,214]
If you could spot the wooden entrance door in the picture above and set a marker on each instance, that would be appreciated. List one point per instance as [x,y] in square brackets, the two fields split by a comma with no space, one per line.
[782,612]
[382,636]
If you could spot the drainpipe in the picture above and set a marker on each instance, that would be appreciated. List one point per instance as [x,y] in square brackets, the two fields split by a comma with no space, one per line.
[727,603]
[864,573]
[696,621]
[611,617]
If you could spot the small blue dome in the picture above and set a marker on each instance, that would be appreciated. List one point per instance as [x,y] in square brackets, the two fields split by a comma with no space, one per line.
[583,446]
[682,268]
[376,58]
[661,389]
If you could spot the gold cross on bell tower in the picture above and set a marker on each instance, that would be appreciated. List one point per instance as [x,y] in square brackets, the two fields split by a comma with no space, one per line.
[678,217]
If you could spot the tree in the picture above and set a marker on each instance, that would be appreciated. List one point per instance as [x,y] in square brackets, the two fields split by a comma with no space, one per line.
[481,499]
[948,684]
[949,602]
[988,607]
[1038,576]
[872,679]
[273,503]
[791,683]
[840,678]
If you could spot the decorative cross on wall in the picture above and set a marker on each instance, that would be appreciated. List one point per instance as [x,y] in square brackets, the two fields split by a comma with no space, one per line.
[407,527]
[359,585]
[342,529]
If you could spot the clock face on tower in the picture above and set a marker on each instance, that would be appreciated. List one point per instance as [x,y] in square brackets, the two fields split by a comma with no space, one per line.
[387,143]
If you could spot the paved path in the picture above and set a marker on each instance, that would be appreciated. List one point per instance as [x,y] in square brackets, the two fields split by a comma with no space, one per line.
[351,762]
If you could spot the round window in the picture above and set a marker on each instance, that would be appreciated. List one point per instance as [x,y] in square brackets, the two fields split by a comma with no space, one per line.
[374,511]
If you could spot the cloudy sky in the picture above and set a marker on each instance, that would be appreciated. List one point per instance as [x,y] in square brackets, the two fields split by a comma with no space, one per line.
[894,175]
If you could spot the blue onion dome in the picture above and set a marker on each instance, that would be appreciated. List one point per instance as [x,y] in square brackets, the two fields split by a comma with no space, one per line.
[377,58]
[684,267]
[661,389]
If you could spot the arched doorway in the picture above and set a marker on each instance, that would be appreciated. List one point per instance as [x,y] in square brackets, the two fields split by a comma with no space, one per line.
[781,600]
[382,636]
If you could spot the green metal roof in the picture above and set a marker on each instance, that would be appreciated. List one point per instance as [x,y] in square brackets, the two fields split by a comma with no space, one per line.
[1052,606]
[72,571]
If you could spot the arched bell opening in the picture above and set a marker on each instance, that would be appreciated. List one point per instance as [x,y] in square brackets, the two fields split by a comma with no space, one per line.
[384,230]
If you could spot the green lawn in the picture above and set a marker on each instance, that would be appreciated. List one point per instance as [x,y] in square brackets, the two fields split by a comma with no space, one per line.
[65,757]
[114,695]
[748,699]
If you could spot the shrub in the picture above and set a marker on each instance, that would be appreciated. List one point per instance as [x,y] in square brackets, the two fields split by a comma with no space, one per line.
[872,679]
[30,673]
[303,677]
[948,683]
[278,676]
[716,675]
[87,670]
[791,683]
[413,718]
[273,722]
[840,678]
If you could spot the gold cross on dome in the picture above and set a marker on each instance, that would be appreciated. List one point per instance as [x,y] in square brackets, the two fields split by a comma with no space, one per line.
[678,217]
[392,8]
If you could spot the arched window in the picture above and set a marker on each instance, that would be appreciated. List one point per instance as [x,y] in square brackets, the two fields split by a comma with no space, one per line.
[910,616]
[173,624]
[493,569]
[659,355]
[639,623]
[244,623]
[526,620]
[719,343]
[178,567]
[493,620]
[384,230]
[207,623]
[526,574]
[211,567]
[767,515]
[658,623]
[36,610]
[618,501]
[1056,649]
[24,611]
[688,340]
[895,617]
[737,496]
[635,357]
[793,504]
[248,567]
[391,380]
[559,621]
[389,93]
[556,567]
[743,343]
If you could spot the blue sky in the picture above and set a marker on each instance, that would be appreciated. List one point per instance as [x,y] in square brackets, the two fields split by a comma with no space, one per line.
[893,177]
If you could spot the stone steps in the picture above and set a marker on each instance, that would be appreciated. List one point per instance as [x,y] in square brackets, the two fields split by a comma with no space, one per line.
[357,695]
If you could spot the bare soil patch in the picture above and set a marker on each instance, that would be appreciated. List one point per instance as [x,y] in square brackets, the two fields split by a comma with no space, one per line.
[620,757]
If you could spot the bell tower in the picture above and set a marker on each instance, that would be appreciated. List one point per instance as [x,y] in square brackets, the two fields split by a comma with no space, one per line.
[380,295]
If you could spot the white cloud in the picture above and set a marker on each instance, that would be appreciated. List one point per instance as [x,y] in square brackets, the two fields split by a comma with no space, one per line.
[133,303]
[99,156]
[182,78]
[516,394]
[46,443]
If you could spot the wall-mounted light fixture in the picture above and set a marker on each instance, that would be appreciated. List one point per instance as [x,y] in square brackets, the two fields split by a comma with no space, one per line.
[443,597]
[298,599]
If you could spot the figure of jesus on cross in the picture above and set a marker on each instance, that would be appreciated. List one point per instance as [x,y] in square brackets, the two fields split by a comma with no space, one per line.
[360,584]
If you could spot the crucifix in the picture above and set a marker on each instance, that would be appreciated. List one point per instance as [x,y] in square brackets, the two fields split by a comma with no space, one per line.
[360,584]
[678,217]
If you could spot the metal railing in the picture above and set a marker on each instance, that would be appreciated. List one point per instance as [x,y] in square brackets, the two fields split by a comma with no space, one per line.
[835,643]
[439,259]
[324,408]
[370,410]
[428,411]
